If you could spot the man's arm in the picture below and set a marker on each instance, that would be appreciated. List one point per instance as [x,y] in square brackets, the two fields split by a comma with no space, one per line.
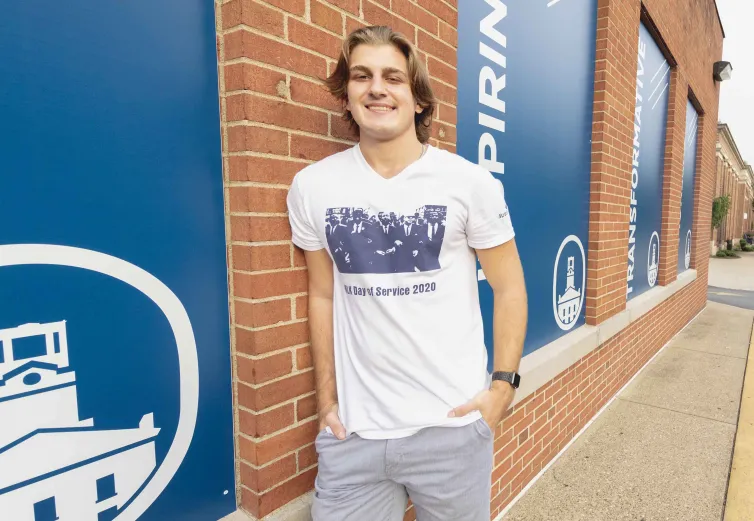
[503,270]
[320,269]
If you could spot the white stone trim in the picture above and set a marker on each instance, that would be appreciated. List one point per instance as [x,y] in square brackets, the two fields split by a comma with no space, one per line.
[297,510]
[549,361]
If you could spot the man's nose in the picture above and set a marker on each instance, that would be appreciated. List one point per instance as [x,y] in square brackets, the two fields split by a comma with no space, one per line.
[378,87]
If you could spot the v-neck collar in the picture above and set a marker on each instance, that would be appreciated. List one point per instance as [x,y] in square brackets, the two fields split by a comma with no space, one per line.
[403,174]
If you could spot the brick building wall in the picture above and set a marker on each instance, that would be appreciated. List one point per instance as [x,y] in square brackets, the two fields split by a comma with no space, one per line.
[733,178]
[276,118]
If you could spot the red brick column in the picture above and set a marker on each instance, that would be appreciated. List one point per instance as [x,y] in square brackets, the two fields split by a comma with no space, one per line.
[672,184]
[704,193]
[739,203]
[277,118]
[612,138]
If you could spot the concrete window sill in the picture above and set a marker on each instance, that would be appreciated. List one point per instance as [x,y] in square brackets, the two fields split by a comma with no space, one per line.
[546,363]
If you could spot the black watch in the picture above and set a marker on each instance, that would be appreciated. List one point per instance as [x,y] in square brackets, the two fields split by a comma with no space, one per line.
[512,378]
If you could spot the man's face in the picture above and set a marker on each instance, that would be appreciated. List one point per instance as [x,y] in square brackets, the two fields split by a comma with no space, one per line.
[379,93]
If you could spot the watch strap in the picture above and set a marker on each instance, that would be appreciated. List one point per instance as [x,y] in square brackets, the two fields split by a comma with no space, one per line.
[511,377]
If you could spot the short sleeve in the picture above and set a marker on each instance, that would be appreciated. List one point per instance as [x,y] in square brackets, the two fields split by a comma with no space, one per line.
[489,221]
[303,231]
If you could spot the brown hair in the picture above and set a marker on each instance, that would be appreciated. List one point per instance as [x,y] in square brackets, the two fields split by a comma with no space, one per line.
[337,82]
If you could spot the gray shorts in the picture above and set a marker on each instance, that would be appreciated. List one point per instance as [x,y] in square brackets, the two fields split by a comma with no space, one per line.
[446,471]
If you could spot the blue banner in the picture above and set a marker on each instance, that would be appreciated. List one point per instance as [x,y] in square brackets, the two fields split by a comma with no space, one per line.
[648,165]
[687,190]
[525,103]
[115,376]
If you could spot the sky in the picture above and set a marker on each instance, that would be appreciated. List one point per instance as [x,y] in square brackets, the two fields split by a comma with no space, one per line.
[737,94]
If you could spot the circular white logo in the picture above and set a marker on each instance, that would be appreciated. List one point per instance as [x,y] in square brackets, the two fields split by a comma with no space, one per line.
[653,258]
[568,293]
[176,315]
[687,257]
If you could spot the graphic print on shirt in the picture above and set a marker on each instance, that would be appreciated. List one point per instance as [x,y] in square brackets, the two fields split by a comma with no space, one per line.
[362,241]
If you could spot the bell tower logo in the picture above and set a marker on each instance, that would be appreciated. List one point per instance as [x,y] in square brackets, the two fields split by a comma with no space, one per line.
[653,259]
[568,283]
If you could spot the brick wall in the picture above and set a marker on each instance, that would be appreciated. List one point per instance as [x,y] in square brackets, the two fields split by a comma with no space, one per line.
[277,118]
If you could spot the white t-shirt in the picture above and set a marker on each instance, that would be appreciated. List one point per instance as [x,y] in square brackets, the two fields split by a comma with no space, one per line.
[408,337]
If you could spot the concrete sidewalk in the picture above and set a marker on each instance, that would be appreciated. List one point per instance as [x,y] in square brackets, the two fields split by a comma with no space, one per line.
[662,450]
[733,273]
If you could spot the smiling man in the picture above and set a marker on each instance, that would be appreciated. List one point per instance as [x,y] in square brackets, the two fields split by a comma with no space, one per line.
[406,406]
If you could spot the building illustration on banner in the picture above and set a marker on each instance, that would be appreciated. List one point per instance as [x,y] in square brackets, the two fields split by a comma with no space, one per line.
[568,303]
[687,256]
[54,465]
[654,251]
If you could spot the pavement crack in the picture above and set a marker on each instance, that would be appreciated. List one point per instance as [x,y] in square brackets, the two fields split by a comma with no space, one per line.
[708,353]
[679,412]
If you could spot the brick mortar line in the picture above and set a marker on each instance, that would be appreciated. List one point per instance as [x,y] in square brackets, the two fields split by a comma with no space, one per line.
[450,6]
[264,155]
[435,36]
[275,68]
[277,352]
[268,272]
[428,12]
[320,27]
[443,122]
[256,124]
[277,9]
[264,328]
[443,82]
[261,243]
[288,428]
[277,39]
[275,380]
[256,386]
[256,184]
[260,214]
[339,10]
[291,478]
[281,404]
[289,101]
[270,299]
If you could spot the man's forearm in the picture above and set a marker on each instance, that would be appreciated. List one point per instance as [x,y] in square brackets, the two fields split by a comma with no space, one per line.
[509,329]
[323,354]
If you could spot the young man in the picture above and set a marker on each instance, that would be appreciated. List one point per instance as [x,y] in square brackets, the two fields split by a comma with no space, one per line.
[405,403]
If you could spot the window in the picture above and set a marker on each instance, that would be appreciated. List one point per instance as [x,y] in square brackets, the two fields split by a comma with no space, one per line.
[29,347]
[45,510]
[105,488]
[108,515]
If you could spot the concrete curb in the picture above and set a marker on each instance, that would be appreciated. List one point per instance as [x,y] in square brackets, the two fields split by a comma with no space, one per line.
[739,503]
